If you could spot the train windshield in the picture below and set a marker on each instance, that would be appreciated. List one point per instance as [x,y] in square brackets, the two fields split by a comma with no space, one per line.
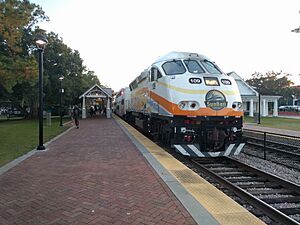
[173,67]
[193,66]
[211,67]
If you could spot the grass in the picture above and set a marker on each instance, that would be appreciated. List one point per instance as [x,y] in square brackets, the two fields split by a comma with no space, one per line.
[17,137]
[276,122]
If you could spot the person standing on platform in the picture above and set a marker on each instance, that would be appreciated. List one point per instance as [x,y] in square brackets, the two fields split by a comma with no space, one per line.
[92,111]
[75,115]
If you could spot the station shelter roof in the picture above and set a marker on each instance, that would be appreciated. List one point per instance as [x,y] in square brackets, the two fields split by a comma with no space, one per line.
[97,91]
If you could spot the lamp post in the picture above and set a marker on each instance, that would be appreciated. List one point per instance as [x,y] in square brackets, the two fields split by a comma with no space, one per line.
[258,121]
[61,91]
[259,99]
[41,42]
[294,98]
[257,88]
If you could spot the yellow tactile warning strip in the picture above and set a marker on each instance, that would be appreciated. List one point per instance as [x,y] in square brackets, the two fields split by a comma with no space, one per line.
[220,206]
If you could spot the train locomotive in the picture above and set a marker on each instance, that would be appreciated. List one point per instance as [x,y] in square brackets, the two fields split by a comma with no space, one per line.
[186,101]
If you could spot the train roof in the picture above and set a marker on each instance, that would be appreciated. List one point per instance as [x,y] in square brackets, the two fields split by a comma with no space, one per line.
[180,55]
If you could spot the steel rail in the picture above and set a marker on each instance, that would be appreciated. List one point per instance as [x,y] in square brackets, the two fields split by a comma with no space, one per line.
[273,149]
[270,211]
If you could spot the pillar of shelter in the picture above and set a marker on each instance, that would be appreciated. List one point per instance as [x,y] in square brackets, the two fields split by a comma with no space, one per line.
[83,108]
[275,108]
[251,108]
[265,108]
[108,108]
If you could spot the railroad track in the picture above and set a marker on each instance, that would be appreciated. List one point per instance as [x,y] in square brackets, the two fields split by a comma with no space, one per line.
[280,149]
[274,197]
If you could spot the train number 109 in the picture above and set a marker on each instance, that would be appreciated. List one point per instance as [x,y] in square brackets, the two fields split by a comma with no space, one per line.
[194,80]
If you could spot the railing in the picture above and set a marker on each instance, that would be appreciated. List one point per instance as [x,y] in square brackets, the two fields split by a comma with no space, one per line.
[267,138]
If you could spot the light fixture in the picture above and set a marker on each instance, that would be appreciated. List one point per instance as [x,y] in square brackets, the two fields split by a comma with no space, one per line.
[41,41]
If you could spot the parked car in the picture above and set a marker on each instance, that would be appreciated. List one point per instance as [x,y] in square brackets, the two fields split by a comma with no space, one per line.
[289,108]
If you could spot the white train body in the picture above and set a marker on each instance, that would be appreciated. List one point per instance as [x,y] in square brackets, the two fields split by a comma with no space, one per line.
[187,101]
[122,101]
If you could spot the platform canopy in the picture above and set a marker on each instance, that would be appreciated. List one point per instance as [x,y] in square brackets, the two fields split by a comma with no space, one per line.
[97,92]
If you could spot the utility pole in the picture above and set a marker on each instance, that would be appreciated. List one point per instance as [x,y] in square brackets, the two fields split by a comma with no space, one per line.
[296,30]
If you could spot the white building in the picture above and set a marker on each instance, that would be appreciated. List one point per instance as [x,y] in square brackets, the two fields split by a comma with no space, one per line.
[250,98]
[97,92]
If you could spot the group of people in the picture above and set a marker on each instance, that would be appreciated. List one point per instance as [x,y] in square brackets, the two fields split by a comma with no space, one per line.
[96,109]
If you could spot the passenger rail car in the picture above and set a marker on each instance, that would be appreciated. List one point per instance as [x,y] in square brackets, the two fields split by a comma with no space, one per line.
[185,100]
[122,101]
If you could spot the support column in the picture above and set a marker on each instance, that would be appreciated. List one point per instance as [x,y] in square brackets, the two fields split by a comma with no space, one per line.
[108,108]
[251,108]
[265,108]
[83,108]
[275,109]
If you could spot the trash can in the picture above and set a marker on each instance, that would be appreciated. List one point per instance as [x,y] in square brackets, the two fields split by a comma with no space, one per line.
[255,115]
[48,118]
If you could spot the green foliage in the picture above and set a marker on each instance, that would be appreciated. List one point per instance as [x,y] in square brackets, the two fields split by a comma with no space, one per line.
[16,70]
[274,83]
[270,83]
[277,122]
[18,60]
[17,64]
[60,60]
[21,136]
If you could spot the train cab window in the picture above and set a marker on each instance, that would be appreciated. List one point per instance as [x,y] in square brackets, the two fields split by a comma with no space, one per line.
[158,74]
[174,67]
[155,74]
[193,66]
[133,85]
[211,67]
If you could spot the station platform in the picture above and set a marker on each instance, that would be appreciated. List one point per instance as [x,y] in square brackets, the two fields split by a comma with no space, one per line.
[106,172]
[257,127]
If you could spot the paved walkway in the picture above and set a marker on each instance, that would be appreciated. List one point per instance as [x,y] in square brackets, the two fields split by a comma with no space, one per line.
[91,175]
[271,130]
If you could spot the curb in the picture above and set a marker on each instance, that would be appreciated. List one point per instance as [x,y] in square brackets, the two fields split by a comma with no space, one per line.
[18,160]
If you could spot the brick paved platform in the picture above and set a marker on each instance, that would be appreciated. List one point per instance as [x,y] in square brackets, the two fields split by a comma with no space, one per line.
[91,175]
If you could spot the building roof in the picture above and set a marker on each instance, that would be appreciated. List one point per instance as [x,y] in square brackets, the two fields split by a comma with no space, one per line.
[247,91]
[244,88]
[97,91]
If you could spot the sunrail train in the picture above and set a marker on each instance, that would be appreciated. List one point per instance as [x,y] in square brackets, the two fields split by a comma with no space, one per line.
[185,100]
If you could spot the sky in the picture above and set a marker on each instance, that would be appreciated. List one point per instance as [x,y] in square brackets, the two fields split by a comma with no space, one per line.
[118,39]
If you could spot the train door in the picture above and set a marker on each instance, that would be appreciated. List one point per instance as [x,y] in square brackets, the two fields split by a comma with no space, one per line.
[158,91]
[153,89]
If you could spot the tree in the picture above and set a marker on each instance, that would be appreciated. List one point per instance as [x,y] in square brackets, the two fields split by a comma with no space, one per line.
[273,83]
[270,83]
[60,60]
[18,60]
[17,64]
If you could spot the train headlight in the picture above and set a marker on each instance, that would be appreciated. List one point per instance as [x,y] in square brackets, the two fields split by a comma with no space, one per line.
[182,105]
[237,106]
[183,129]
[188,105]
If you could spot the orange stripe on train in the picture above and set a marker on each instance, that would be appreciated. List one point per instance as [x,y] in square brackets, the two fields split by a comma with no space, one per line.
[175,110]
